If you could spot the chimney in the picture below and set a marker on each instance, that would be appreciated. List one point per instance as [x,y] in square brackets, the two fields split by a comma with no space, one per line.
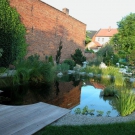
[66,11]
[109,29]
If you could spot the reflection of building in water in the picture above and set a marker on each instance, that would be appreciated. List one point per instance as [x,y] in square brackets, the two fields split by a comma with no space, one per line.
[67,96]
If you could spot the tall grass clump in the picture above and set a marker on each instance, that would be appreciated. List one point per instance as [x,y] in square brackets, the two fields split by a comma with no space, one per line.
[125,103]
[110,71]
[119,80]
[93,69]
[33,70]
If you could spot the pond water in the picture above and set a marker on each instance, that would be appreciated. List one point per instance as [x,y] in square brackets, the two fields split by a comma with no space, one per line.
[90,97]
[66,92]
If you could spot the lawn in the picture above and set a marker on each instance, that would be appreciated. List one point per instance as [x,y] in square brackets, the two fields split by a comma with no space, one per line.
[105,129]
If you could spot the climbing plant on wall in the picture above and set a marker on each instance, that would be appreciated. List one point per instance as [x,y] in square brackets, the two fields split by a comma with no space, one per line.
[12,34]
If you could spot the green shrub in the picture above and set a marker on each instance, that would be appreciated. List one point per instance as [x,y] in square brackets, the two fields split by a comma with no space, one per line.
[96,61]
[110,91]
[78,57]
[71,63]
[89,51]
[64,67]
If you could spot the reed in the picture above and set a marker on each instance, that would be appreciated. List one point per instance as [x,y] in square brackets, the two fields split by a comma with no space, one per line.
[125,103]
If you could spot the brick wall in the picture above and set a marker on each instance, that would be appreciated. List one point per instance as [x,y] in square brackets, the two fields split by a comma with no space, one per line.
[46,26]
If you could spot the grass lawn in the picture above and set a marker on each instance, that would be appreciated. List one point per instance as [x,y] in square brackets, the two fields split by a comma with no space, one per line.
[106,129]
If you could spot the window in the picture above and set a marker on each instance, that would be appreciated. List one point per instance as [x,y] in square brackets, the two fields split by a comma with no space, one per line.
[98,39]
[102,39]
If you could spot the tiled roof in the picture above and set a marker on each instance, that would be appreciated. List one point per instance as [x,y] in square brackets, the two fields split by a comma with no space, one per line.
[106,32]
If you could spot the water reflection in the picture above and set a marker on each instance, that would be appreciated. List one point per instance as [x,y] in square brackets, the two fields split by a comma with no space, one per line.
[64,92]
[90,96]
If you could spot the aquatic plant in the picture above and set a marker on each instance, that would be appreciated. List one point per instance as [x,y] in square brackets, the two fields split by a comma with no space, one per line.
[108,113]
[100,113]
[91,112]
[125,103]
[85,110]
[77,111]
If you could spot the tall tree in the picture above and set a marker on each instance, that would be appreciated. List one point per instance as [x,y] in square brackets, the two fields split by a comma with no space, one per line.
[125,38]
[12,34]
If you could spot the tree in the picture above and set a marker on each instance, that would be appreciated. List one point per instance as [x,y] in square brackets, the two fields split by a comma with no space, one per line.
[58,55]
[107,54]
[87,39]
[132,57]
[12,34]
[125,38]
[78,57]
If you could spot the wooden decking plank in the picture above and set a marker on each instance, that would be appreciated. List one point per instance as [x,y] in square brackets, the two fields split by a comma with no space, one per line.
[19,111]
[16,112]
[42,122]
[30,120]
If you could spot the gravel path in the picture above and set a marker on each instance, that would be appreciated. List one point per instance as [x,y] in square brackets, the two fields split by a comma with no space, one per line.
[72,119]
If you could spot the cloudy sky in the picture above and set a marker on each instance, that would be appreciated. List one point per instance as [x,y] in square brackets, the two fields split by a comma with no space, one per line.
[96,14]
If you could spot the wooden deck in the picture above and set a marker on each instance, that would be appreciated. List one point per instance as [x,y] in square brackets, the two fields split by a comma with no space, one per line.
[28,119]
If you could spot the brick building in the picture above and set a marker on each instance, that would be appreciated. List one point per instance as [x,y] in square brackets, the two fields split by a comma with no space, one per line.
[46,26]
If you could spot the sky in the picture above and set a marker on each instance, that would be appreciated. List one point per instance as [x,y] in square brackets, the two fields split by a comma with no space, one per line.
[96,14]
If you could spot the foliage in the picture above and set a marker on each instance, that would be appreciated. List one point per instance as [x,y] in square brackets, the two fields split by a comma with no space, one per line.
[96,61]
[34,71]
[110,91]
[119,80]
[64,67]
[58,55]
[132,57]
[93,69]
[100,113]
[107,54]
[89,51]
[124,39]
[110,71]
[125,103]
[12,34]
[2,69]
[49,59]
[86,111]
[1,51]
[87,39]
[71,63]
[78,57]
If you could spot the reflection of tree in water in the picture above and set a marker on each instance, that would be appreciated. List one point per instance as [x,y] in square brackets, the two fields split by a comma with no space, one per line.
[75,82]
[57,87]
[14,95]
[44,90]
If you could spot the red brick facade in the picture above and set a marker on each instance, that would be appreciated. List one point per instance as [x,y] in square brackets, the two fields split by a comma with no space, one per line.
[46,26]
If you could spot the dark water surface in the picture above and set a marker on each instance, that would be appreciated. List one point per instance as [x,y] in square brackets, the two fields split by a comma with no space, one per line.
[66,92]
